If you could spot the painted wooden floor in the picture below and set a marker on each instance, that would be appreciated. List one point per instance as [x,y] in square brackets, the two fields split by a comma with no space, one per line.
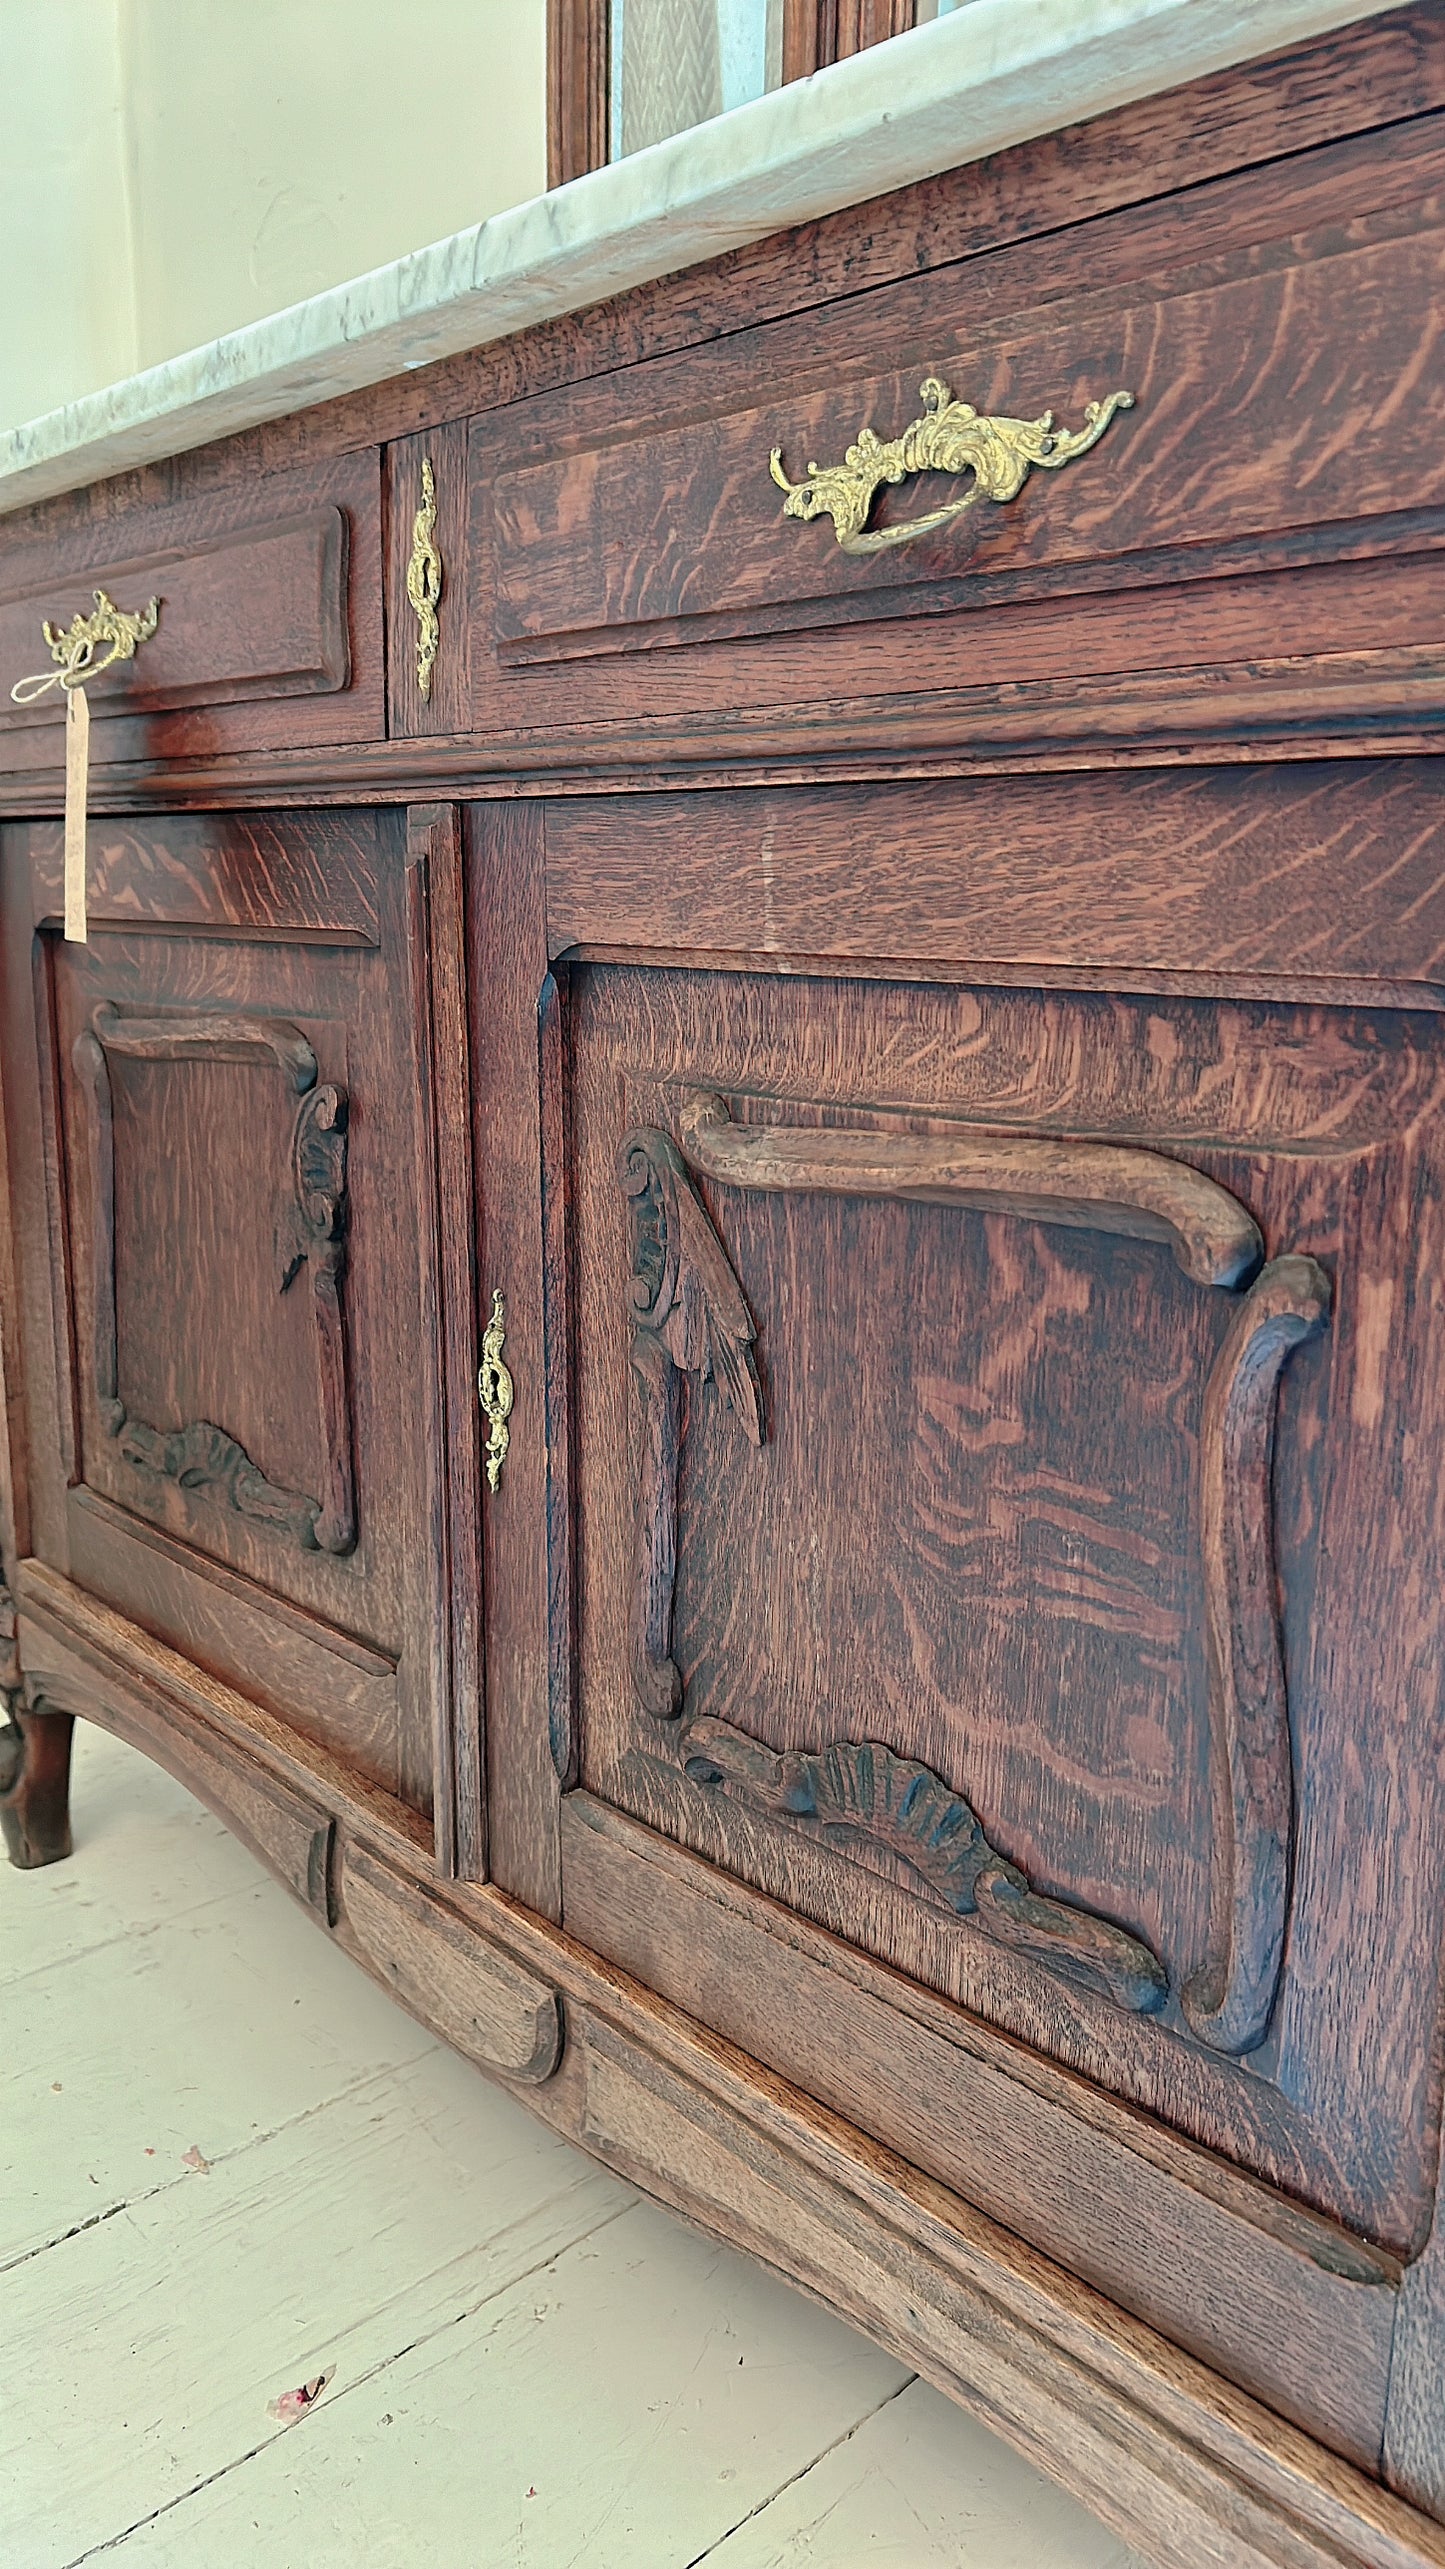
[230,2164]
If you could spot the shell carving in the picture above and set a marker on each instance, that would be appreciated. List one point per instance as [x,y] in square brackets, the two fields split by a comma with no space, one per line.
[873,1798]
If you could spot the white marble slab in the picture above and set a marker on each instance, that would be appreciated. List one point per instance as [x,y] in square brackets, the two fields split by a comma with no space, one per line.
[992,74]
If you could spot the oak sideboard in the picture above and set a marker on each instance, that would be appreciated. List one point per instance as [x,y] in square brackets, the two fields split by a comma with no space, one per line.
[723,1273]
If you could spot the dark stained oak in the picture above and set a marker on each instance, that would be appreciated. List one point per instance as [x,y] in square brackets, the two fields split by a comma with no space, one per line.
[922,1744]
[614,532]
[1309,871]
[980,1530]
[509,997]
[270,606]
[35,1784]
[228,1149]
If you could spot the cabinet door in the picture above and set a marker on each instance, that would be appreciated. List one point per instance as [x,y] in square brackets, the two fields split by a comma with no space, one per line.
[1003,1536]
[227,1212]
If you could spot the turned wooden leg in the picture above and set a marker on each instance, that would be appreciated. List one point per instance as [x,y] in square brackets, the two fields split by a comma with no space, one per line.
[35,1784]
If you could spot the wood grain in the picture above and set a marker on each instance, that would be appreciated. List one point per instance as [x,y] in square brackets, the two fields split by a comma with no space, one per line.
[203,1332]
[444,708]
[974,1532]
[1336,872]
[446,1284]
[1083,1185]
[215,875]
[1229,1999]
[35,1783]
[577,88]
[481,2003]
[506,986]
[1377,73]
[673,534]
[1297,2311]
[1074,834]
[269,629]
[1199,2474]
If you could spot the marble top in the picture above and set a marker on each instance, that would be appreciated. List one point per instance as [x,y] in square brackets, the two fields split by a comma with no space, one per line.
[991,74]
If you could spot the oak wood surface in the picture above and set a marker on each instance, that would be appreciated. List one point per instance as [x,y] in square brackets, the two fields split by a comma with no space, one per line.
[444,708]
[1298,2311]
[1196,2473]
[484,2005]
[636,526]
[577,88]
[219,1365]
[269,626]
[1317,869]
[446,1243]
[973,1529]
[1075,827]
[507,981]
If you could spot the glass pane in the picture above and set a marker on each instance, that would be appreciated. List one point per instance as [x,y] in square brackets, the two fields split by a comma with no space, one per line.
[677,62]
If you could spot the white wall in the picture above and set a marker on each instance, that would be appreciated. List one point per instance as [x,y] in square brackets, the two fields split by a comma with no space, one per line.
[67,309]
[170,169]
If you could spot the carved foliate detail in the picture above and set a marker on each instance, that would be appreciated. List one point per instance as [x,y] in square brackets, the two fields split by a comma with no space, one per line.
[312,1233]
[199,1456]
[682,1287]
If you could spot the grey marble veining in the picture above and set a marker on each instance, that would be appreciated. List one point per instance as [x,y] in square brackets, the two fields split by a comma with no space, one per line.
[992,74]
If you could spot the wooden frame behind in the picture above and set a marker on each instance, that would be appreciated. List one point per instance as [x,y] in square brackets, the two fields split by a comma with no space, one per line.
[815,32]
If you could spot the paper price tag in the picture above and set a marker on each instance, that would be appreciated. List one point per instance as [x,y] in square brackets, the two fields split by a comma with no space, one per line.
[77,778]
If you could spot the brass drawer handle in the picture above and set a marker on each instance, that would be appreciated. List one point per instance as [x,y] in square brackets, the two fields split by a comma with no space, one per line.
[949,438]
[113,630]
[495,1390]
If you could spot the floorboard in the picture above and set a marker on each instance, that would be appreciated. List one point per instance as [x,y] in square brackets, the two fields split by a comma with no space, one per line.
[232,2165]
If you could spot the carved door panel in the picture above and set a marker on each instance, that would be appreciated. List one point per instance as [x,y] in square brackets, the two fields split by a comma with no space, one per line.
[1000,1537]
[234,1154]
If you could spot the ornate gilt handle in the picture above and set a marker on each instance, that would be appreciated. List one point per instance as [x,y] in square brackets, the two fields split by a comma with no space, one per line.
[495,1391]
[949,438]
[88,645]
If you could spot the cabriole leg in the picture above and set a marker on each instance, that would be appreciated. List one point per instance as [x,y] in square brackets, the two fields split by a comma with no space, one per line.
[35,1783]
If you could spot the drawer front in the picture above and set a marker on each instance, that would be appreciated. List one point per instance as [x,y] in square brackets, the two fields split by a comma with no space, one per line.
[1272,334]
[999,1537]
[268,625]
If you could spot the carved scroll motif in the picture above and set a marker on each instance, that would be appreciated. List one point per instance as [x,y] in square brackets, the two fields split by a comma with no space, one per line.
[311,1232]
[862,1793]
[1088,1186]
[1229,2000]
[689,1316]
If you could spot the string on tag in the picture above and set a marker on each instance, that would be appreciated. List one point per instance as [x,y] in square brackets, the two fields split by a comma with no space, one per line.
[112,633]
[77,774]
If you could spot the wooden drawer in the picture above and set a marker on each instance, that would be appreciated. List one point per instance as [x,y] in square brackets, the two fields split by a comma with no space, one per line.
[1267,508]
[269,627]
